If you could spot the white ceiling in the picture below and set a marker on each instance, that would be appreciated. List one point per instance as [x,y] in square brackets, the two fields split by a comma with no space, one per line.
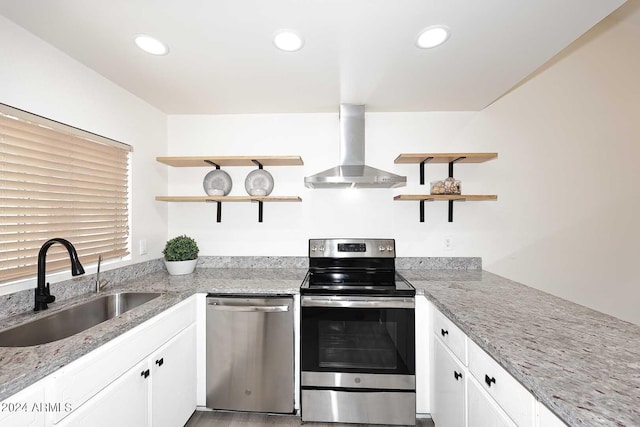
[222,59]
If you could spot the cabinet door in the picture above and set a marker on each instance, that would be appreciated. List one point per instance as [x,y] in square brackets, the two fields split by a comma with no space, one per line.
[482,409]
[448,406]
[123,403]
[173,380]
[25,409]
[505,390]
[546,418]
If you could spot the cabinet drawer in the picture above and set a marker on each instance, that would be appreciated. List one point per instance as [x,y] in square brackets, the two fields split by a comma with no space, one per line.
[510,395]
[85,377]
[451,335]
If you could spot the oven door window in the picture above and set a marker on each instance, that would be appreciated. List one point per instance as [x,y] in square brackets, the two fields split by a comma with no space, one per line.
[358,340]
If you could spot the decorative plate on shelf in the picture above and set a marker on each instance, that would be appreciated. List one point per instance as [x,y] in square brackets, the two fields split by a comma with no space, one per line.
[217,183]
[259,183]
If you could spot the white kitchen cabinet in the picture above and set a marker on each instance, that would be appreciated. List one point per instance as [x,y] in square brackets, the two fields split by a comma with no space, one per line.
[516,401]
[82,379]
[493,398]
[123,403]
[546,418]
[173,380]
[423,356]
[159,391]
[25,408]
[482,411]
[449,389]
[451,335]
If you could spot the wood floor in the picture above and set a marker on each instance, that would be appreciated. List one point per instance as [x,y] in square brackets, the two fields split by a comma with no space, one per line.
[238,419]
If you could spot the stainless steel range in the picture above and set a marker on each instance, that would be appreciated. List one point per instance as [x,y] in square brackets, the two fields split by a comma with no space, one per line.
[357,335]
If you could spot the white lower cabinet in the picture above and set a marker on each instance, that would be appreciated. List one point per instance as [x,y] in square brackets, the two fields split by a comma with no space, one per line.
[145,377]
[448,388]
[516,401]
[160,391]
[173,380]
[423,356]
[482,409]
[24,409]
[123,403]
[546,418]
[470,389]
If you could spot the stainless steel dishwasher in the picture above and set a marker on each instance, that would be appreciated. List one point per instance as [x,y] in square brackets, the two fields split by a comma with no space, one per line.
[250,353]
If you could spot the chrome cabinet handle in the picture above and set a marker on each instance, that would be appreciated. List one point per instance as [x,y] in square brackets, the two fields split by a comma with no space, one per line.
[457,375]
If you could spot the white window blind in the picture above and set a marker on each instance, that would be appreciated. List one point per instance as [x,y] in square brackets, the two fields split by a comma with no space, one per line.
[59,181]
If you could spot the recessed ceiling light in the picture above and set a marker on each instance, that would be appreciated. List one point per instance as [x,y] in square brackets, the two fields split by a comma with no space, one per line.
[288,40]
[433,36]
[151,45]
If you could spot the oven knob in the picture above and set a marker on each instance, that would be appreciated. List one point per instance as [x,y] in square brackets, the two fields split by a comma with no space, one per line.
[321,248]
[381,248]
[389,248]
[313,249]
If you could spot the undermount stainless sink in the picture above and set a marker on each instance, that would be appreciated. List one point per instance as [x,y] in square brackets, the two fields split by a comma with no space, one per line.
[73,320]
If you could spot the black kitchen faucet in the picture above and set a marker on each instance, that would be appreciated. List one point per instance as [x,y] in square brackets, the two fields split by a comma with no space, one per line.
[43,294]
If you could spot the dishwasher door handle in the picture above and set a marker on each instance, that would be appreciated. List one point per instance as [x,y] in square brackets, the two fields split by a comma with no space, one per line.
[214,305]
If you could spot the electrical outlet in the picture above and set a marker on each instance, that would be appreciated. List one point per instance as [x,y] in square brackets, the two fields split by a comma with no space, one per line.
[142,247]
[448,243]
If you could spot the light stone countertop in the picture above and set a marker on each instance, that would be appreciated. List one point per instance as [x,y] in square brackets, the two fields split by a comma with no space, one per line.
[582,364]
[23,366]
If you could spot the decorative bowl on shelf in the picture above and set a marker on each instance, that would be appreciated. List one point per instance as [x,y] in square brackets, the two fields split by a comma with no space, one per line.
[217,183]
[259,183]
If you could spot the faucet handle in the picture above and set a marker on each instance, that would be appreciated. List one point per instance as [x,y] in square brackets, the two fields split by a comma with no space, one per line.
[47,294]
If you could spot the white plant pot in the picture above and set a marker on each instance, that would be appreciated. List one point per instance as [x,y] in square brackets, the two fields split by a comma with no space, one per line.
[177,268]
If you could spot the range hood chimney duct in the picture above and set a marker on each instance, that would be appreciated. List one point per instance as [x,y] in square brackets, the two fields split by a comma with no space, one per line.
[352,171]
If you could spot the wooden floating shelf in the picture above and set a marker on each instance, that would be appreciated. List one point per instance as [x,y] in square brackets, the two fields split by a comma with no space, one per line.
[228,199]
[456,197]
[445,157]
[445,197]
[220,199]
[206,161]
[451,158]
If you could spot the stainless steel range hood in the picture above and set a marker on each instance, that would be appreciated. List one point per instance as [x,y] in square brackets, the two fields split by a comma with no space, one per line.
[352,172]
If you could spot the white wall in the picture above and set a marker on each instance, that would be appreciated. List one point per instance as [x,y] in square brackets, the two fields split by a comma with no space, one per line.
[323,213]
[566,179]
[569,140]
[40,79]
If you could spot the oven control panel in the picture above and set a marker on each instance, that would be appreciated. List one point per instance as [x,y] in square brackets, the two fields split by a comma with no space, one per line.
[352,248]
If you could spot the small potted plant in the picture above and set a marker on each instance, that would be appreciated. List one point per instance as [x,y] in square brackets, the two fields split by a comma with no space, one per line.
[181,255]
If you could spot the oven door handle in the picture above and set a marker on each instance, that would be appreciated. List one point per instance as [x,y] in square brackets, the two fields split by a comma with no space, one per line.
[346,302]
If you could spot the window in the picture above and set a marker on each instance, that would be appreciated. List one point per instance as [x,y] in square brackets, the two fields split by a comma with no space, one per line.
[59,181]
